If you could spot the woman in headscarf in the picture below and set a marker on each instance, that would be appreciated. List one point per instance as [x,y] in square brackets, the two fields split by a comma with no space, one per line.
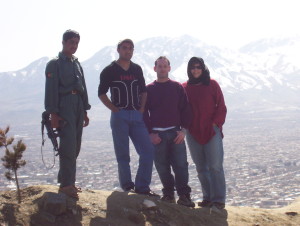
[204,136]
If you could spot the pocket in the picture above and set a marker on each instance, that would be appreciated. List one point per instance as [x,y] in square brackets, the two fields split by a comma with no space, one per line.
[216,128]
[114,115]
[62,102]
[139,115]
[117,112]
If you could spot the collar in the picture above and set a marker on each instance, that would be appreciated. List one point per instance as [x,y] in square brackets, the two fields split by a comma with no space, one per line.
[64,57]
[167,81]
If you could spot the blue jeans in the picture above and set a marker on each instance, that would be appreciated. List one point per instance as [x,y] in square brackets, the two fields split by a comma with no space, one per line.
[127,124]
[208,159]
[167,155]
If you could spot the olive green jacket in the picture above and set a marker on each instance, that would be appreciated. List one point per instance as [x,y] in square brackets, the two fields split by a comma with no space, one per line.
[63,75]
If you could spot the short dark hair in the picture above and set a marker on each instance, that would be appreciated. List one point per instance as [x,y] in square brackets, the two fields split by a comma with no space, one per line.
[162,58]
[69,34]
[126,40]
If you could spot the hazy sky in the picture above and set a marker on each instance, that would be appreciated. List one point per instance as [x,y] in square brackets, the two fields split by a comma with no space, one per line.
[31,29]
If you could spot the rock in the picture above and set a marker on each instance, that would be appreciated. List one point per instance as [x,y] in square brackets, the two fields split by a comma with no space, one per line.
[291,213]
[148,204]
[48,217]
[133,215]
[53,203]
[6,196]
[71,202]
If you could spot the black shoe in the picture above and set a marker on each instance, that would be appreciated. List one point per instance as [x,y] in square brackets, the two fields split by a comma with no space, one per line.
[148,193]
[205,203]
[185,200]
[168,198]
[219,205]
[130,189]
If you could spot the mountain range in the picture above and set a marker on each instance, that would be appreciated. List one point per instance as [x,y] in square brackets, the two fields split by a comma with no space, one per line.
[260,76]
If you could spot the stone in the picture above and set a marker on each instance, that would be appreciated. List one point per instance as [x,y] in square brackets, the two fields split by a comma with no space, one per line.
[48,217]
[53,203]
[149,204]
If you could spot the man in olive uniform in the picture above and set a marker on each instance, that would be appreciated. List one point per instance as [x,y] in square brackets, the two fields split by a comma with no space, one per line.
[66,101]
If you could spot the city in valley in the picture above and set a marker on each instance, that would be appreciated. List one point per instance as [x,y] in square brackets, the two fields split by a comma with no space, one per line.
[261,160]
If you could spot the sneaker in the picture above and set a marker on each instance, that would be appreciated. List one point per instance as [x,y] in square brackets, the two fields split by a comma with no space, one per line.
[219,205]
[148,193]
[168,198]
[205,203]
[185,200]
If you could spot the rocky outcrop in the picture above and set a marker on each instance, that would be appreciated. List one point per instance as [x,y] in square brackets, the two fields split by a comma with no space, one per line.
[42,205]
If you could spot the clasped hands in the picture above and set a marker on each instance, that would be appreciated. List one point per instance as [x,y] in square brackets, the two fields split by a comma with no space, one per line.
[155,139]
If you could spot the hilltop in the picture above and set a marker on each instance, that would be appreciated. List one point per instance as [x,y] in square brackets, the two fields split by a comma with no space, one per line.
[115,208]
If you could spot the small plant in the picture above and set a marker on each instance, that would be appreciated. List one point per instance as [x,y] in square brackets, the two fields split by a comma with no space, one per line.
[12,160]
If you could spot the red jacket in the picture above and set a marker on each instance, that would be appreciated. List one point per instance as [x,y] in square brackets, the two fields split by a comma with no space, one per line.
[208,107]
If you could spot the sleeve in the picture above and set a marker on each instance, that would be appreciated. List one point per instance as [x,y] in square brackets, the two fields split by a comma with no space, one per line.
[104,82]
[141,81]
[185,108]
[85,98]
[52,87]
[221,110]
[146,115]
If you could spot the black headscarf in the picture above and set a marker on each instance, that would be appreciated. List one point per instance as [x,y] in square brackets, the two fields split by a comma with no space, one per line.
[204,78]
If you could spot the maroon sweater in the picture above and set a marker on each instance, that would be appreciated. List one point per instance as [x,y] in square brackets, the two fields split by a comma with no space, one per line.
[166,106]
[208,107]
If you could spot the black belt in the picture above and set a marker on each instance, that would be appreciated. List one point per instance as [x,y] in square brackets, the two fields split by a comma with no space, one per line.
[73,92]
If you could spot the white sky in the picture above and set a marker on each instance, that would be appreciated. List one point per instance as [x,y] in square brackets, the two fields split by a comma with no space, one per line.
[31,29]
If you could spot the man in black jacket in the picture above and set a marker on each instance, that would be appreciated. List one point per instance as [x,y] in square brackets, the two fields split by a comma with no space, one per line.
[128,97]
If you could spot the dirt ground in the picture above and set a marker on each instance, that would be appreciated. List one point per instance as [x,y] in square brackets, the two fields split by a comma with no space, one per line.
[122,209]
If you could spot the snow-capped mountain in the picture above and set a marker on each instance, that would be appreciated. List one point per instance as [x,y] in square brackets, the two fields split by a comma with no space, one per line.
[262,75]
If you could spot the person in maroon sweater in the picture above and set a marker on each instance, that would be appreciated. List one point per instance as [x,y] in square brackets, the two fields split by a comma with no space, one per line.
[166,114]
[204,135]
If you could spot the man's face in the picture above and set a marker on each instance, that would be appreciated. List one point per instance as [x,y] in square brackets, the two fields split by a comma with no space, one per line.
[162,68]
[70,46]
[125,51]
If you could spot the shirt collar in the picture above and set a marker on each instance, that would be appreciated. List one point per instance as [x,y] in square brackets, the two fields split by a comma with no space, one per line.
[64,57]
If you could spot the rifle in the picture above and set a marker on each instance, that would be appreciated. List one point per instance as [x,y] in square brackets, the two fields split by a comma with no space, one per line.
[52,135]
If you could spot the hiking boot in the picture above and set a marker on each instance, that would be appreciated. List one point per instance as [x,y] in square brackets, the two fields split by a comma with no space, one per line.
[70,191]
[148,193]
[205,203]
[219,205]
[185,200]
[78,189]
[129,189]
[168,198]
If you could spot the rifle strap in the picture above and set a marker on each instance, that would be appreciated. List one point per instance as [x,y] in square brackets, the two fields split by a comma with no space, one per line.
[43,142]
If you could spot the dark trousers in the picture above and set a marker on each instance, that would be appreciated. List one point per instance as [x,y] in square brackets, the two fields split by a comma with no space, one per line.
[71,110]
[167,155]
